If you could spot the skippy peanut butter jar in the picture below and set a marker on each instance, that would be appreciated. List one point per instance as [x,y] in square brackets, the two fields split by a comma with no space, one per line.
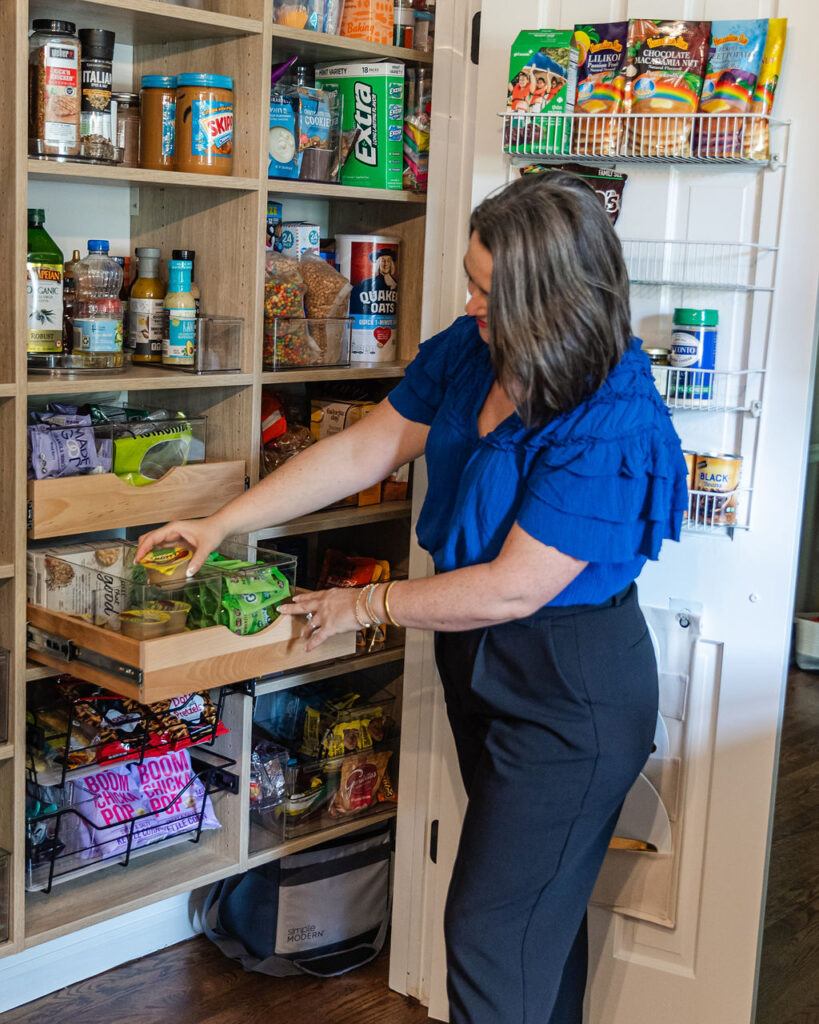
[204,124]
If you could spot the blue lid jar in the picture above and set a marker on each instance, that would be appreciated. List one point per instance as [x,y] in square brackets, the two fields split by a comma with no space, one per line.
[159,81]
[205,81]
[98,245]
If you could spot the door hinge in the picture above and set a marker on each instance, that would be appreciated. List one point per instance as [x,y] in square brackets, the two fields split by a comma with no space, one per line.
[433,842]
[247,483]
[29,515]
[475,47]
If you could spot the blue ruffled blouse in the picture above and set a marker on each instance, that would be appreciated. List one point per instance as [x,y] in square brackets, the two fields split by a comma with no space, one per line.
[605,483]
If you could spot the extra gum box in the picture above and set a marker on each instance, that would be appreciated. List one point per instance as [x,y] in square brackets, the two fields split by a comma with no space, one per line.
[372,95]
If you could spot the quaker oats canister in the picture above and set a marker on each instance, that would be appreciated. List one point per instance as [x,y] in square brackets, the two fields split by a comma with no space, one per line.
[371,265]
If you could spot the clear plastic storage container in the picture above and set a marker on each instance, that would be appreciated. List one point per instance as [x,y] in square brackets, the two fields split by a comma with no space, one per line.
[304,342]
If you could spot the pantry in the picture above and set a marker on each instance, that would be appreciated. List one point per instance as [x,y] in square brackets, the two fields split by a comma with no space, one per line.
[297,197]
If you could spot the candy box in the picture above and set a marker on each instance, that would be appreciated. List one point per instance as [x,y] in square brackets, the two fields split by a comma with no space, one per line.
[273,225]
[542,80]
[372,101]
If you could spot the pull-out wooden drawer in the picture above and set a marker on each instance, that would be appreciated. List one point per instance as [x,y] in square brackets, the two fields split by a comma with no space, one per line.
[102,501]
[152,670]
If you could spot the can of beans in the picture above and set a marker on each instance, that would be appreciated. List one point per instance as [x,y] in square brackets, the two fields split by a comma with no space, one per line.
[370,263]
[691,466]
[716,481]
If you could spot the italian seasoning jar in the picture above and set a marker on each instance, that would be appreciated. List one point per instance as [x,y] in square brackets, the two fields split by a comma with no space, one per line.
[204,124]
[158,129]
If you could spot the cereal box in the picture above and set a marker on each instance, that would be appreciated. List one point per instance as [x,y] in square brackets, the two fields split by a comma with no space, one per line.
[542,80]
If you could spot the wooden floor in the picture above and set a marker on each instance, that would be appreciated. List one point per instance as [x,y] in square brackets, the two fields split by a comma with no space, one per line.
[194,984]
[789,980]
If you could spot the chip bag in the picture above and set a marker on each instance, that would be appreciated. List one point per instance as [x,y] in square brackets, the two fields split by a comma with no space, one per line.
[361,777]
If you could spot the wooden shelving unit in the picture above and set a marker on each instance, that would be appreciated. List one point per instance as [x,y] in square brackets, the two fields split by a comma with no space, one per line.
[222,218]
[264,849]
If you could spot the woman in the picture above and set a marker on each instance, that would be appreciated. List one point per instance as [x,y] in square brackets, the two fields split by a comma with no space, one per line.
[554,473]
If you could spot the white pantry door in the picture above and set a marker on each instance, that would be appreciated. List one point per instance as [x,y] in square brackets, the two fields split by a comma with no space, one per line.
[703,970]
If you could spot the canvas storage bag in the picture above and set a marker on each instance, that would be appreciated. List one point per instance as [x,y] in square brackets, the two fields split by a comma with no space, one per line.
[324,912]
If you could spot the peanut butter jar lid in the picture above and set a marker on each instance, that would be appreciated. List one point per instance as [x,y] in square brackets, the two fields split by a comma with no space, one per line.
[207,81]
[159,81]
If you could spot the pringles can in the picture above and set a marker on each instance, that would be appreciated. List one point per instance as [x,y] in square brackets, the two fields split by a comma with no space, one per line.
[371,265]
[693,349]
[716,481]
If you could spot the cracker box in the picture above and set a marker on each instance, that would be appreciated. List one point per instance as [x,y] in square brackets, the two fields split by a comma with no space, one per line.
[542,80]
[372,96]
[328,417]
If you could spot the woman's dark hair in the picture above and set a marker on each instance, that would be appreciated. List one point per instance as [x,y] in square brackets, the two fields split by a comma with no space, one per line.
[559,315]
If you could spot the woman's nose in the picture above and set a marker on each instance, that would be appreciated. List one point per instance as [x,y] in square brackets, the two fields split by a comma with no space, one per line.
[476,306]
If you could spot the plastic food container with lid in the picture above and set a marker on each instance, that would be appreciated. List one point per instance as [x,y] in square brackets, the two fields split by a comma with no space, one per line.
[158,129]
[204,124]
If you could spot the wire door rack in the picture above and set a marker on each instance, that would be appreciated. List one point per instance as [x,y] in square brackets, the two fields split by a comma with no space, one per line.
[700,266]
[755,140]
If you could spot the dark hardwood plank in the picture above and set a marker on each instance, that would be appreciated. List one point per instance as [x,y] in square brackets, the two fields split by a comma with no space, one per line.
[789,972]
[193,983]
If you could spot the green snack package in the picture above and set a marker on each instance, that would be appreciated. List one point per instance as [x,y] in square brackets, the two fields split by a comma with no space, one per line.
[246,623]
[542,80]
[266,579]
[147,456]
[372,94]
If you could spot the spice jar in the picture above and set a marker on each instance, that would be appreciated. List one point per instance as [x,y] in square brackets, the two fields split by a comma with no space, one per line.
[424,38]
[96,134]
[54,89]
[403,24]
[158,117]
[125,116]
[204,124]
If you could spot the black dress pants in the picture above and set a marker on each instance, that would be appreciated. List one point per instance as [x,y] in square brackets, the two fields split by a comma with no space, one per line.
[553,718]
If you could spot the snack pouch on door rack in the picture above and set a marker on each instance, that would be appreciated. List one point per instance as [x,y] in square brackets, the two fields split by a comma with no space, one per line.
[664,72]
[601,83]
[757,138]
[734,62]
[371,265]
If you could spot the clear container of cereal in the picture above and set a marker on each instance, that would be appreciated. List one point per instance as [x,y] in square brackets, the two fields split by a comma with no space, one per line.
[305,342]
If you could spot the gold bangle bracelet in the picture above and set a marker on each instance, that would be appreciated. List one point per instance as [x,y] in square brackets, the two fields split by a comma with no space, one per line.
[390,618]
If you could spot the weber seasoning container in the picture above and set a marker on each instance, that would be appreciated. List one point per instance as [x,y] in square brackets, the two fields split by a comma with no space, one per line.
[54,89]
[204,124]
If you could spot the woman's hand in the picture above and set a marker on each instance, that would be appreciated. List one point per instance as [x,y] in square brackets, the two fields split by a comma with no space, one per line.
[326,612]
[202,535]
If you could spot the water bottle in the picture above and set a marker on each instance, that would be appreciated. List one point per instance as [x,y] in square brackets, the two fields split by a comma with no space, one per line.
[98,311]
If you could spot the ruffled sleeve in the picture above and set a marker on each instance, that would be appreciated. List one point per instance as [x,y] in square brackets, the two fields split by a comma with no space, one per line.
[608,499]
[421,391]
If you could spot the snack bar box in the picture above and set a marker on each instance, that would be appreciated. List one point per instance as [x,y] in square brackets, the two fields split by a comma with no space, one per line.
[372,95]
[94,613]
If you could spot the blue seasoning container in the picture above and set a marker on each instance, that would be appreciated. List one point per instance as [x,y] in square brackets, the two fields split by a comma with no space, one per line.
[693,347]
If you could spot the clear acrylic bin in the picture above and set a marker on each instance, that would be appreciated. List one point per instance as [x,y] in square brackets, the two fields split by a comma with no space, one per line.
[299,342]
[139,451]
[218,345]
[327,792]
[5,689]
[5,894]
[239,587]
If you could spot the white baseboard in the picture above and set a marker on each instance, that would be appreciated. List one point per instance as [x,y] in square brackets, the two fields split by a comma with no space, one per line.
[53,965]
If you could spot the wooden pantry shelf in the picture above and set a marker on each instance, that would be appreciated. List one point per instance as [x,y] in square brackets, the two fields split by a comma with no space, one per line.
[8,390]
[147,21]
[101,174]
[34,671]
[6,750]
[135,378]
[337,519]
[262,852]
[327,190]
[157,875]
[357,371]
[317,46]
[329,669]
[6,570]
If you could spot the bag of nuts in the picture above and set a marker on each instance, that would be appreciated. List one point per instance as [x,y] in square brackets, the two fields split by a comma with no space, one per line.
[327,294]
